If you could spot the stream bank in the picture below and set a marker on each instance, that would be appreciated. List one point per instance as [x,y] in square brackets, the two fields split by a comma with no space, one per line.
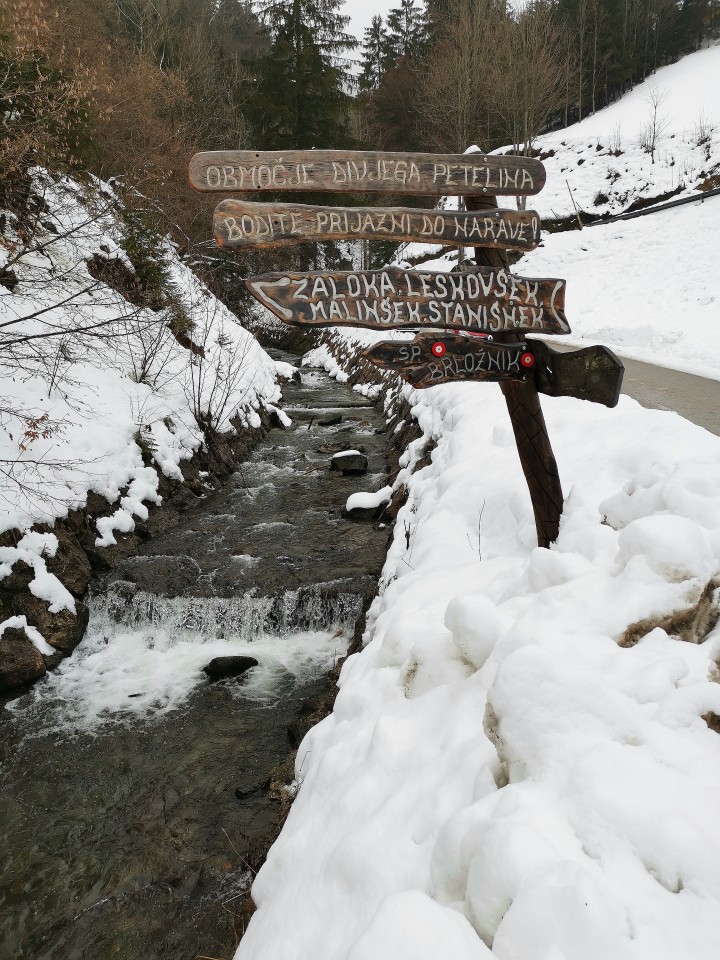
[139,797]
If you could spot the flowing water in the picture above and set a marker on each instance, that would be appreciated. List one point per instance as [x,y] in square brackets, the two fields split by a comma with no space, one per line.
[133,792]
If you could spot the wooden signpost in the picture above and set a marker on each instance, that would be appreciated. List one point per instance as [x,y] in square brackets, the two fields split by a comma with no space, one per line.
[482,301]
[593,373]
[430,360]
[241,224]
[498,308]
[359,171]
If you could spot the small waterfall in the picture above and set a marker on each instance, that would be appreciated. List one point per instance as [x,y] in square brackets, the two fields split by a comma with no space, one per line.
[252,615]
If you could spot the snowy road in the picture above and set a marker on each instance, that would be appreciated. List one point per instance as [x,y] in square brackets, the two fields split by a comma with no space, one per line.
[695,398]
[661,388]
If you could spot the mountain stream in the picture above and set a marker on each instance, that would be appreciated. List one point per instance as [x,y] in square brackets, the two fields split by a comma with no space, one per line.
[133,791]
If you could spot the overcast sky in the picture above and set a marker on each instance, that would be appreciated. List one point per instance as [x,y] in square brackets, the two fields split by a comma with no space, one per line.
[362,12]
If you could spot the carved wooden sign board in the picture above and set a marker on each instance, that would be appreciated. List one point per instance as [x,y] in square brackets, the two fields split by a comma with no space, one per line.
[479,301]
[427,360]
[239,223]
[360,171]
[593,373]
[497,308]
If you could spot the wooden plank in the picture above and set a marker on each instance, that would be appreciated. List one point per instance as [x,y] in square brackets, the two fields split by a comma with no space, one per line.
[429,360]
[523,403]
[357,171]
[241,224]
[484,301]
[593,373]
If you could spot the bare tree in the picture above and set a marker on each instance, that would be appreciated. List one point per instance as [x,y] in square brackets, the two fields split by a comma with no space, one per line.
[656,122]
[530,73]
[218,377]
[456,94]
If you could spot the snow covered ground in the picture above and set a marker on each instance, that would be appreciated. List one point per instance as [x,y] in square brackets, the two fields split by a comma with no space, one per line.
[79,409]
[519,763]
[500,776]
[649,288]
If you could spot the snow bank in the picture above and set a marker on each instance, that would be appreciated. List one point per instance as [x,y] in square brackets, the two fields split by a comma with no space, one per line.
[499,774]
[110,396]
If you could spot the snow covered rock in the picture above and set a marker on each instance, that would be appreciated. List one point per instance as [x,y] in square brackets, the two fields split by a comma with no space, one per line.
[367,506]
[350,461]
[20,662]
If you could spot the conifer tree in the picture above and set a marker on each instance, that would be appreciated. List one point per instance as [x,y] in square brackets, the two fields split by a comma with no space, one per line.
[407,28]
[303,79]
[374,55]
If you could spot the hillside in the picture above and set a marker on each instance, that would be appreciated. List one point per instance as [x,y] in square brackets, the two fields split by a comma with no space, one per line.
[648,287]
[118,367]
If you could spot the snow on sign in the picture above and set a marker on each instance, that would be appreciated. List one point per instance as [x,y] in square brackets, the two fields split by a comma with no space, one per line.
[243,224]
[356,171]
[480,301]
[429,360]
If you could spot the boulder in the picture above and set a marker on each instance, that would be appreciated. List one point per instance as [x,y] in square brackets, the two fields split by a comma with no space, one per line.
[242,793]
[20,662]
[221,667]
[350,461]
[63,630]
[70,564]
[18,580]
[331,420]
[275,420]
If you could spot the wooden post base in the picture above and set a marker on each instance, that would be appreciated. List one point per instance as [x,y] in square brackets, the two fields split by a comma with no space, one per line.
[536,457]
[523,403]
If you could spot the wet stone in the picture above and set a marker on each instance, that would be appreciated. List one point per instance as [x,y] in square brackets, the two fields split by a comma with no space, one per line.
[242,793]
[20,663]
[350,461]
[221,667]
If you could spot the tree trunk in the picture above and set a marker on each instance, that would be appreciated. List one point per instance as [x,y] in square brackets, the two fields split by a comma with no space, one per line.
[526,416]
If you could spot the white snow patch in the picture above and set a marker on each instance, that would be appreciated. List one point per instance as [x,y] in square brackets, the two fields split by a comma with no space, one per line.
[32,633]
[369,501]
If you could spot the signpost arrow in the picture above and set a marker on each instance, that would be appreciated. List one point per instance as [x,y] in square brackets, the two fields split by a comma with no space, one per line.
[593,373]
[243,224]
[430,360]
[357,171]
[481,301]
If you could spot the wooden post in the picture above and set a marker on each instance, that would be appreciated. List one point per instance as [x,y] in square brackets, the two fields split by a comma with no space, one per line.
[523,403]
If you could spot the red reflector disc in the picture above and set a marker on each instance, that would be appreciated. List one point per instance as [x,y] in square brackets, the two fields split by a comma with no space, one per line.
[438,349]
[527,360]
